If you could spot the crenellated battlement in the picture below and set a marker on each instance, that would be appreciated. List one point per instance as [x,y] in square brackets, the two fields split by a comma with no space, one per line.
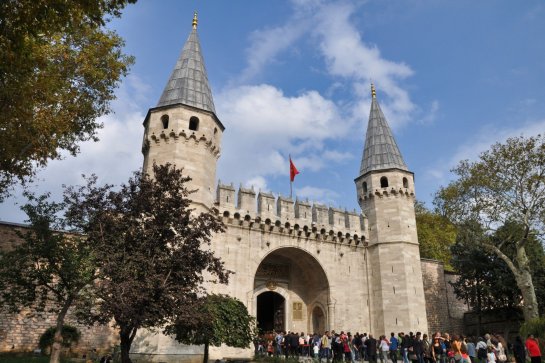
[173,136]
[282,214]
[388,192]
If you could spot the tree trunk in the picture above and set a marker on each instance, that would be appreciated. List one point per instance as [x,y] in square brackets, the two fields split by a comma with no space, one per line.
[126,335]
[526,285]
[57,339]
[205,357]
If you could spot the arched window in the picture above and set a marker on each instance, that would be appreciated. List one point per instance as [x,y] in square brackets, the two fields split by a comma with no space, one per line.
[405,183]
[164,120]
[384,182]
[194,123]
[364,186]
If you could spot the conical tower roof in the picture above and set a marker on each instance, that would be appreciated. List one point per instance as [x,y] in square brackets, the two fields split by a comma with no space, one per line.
[188,83]
[380,151]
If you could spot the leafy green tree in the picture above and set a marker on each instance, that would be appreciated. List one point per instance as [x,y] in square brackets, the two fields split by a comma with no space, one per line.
[484,281]
[506,185]
[59,68]
[48,270]
[149,243]
[70,335]
[220,320]
[436,234]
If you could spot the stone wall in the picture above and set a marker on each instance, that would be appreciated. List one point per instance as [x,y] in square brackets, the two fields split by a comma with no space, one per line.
[444,310]
[21,332]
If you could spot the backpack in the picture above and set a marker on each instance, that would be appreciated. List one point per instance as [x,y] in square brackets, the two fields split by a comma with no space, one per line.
[481,353]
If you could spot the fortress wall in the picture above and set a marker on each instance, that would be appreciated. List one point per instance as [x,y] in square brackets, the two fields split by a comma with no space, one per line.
[444,310]
[283,211]
[21,332]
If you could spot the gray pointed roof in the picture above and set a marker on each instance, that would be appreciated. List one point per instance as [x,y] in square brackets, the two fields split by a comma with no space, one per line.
[188,83]
[380,151]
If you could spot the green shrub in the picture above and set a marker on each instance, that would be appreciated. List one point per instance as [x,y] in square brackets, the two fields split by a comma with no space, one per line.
[69,334]
[536,327]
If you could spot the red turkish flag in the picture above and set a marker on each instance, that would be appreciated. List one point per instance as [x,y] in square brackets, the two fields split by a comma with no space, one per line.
[293,170]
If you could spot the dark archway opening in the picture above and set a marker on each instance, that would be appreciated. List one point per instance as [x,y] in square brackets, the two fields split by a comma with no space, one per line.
[270,312]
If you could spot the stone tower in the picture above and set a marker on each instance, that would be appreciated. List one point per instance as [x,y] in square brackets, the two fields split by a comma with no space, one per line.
[385,189]
[183,128]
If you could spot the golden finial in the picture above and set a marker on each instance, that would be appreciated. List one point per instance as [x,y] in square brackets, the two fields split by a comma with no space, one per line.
[373,91]
[195,20]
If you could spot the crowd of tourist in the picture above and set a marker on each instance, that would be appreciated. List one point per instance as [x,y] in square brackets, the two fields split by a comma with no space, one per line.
[409,348]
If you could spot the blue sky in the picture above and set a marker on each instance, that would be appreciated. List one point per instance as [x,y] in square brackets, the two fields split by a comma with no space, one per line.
[293,77]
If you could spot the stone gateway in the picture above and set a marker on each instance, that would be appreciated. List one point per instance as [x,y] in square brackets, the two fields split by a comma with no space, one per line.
[298,266]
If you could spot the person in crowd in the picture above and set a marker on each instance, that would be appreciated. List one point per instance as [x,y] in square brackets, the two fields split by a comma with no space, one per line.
[464,352]
[356,346]
[405,347]
[346,341]
[384,349]
[518,350]
[500,345]
[426,349]
[371,349]
[336,347]
[394,346]
[437,350]
[418,347]
[532,345]
[471,351]
[277,343]
[491,356]
[482,350]
[326,346]
[456,348]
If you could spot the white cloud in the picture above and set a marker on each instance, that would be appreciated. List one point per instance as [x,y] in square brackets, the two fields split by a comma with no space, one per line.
[337,156]
[431,114]
[264,126]
[112,159]
[481,142]
[319,195]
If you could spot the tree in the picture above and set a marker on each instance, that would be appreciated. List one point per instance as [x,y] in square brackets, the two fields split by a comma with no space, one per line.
[59,68]
[221,320]
[436,234]
[149,243]
[484,281]
[506,185]
[48,270]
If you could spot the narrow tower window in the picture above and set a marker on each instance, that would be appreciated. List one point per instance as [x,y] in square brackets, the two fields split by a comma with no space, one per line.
[194,123]
[405,183]
[364,187]
[164,120]
[384,182]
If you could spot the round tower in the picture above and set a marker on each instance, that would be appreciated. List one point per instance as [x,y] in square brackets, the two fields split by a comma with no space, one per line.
[385,190]
[183,128]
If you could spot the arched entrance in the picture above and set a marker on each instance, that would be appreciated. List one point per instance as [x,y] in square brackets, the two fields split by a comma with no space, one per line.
[318,320]
[292,278]
[270,311]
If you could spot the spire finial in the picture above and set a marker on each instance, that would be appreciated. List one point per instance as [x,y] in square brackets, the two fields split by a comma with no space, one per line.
[373,91]
[195,20]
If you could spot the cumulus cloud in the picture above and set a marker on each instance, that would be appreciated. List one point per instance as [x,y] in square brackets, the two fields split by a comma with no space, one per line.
[264,125]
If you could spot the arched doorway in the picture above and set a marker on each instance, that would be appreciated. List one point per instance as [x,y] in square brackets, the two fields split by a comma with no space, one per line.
[298,282]
[270,312]
[318,320]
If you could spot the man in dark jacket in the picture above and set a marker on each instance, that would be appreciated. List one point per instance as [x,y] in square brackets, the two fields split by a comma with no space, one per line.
[371,349]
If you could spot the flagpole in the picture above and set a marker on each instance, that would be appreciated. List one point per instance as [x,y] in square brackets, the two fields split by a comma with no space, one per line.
[291,182]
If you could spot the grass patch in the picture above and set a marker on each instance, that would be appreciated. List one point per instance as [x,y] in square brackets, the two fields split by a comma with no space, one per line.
[27,358]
